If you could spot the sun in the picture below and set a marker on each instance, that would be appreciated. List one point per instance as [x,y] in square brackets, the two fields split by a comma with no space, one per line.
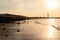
[52,4]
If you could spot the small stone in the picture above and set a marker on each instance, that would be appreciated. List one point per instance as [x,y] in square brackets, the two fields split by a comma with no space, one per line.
[6,35]
[3,29]
[18,30]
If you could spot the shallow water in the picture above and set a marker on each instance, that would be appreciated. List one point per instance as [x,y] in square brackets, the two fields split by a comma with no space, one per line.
[33,30]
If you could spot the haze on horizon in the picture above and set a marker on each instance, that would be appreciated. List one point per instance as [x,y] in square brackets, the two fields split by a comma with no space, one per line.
[30,7]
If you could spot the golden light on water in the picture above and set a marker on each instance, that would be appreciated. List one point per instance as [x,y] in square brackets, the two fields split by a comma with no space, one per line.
[51,21]
[50,28]
[50,31]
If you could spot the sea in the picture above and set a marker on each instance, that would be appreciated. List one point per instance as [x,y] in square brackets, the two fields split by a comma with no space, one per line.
[37,29]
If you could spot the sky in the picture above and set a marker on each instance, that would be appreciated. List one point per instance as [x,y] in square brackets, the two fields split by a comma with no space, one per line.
[29,7]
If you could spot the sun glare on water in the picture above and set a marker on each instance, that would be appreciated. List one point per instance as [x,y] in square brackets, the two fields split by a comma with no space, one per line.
[50,28]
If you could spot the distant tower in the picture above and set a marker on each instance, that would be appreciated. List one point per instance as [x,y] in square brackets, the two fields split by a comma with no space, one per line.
[47,14]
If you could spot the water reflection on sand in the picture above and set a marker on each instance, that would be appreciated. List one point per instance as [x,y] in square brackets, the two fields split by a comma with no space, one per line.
[36,30]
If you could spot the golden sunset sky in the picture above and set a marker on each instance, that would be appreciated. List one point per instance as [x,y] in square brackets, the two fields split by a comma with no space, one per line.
[31,7]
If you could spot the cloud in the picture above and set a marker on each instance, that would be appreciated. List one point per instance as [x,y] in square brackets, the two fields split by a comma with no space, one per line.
[23,6]
[9,4]
[17,4]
